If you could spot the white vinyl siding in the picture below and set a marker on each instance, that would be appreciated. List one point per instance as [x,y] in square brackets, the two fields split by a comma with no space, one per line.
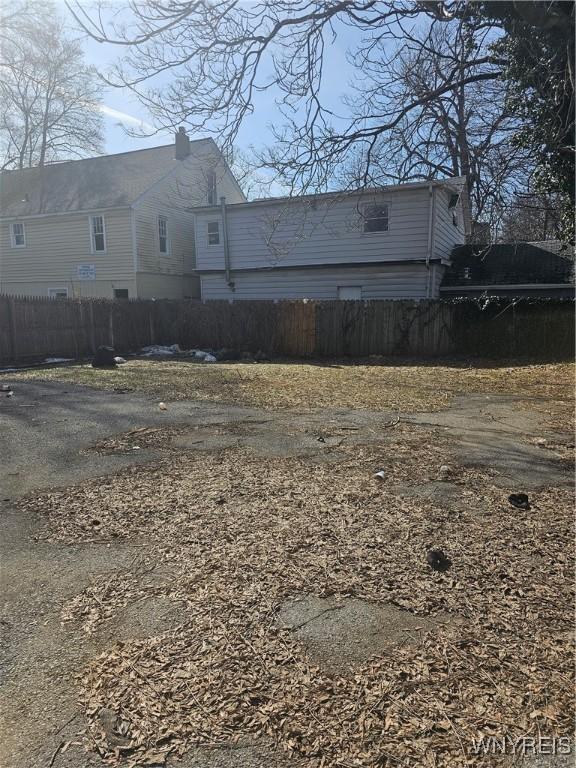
[446,235]
[163,239]
[172,274]
[97,234]
[317,232]
[57,246]
[18,234]
[394,281]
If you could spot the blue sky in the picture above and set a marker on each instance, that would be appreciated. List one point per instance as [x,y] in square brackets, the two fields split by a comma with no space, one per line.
[121,109]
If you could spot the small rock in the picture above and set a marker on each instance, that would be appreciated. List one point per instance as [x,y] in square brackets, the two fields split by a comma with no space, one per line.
[380,475]
[163,406]
[445,470]
[541,441]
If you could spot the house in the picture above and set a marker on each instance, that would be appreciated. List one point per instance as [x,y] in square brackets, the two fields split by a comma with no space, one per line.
[111,226]
[511,269]
[389,243]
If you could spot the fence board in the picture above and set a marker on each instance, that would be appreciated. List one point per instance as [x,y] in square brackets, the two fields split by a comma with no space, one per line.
[35,328]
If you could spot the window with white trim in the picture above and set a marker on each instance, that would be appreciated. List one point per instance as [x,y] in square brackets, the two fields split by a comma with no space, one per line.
[18,234]
[211,186]
[375,217]
[58,293]
[213,229]
[97,234]
[163,241]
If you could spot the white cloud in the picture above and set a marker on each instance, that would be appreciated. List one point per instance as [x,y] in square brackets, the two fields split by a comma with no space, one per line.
[124,117]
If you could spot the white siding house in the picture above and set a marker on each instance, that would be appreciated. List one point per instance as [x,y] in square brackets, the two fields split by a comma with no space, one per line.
[393,242]
[111,226]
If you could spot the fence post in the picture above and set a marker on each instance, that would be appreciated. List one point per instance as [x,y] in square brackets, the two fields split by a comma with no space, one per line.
[111,325]
[92,331]
[12,326]
[151,322]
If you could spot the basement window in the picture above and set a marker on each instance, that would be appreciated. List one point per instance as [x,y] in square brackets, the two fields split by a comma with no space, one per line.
[120,293]
[58,293]
[97,234]
[213,233]
[375,218]
[18,235]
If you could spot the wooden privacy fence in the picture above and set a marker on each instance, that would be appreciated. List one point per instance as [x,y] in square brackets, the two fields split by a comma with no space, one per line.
[36,328]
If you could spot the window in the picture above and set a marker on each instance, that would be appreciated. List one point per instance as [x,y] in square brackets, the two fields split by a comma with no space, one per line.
[350,292]
[18,234]
[120,293]
[163,239]
[211,186]
[58,293]
[375,218]
[453,200]
[213,233]
[97,234]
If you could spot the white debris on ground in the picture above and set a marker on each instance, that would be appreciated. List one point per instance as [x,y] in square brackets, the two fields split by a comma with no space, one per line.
[162,350]
[119,360]
[206,357]
[54,360]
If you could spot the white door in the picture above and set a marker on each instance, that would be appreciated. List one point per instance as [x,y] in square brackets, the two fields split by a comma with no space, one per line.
[350,292]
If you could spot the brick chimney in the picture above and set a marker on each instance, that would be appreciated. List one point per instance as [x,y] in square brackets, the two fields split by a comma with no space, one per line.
[182,144]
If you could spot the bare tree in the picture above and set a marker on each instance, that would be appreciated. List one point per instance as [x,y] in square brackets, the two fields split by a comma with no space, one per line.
[49,98]
[220,54]
[531,217]
[466,131]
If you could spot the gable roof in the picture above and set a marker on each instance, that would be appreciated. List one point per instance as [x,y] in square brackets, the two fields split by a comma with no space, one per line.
[510,264]
[108,181]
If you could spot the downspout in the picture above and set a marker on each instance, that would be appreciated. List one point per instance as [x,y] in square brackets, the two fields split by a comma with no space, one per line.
[225,243]
[430,235]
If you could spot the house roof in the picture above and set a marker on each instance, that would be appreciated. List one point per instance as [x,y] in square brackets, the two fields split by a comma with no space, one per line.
[548,262]
[108,181]
[457,183]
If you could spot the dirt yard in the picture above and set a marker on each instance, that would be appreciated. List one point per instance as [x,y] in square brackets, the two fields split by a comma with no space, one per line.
[225,584]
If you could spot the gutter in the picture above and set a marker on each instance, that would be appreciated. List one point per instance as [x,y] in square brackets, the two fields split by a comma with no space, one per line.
[225,242]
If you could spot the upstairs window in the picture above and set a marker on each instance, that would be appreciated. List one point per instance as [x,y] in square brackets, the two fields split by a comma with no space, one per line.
[97,234]
[213,233]
[18,235]
[375,218]
[211,186]
[163,234]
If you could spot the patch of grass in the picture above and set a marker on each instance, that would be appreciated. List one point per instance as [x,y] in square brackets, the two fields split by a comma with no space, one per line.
[414,386]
